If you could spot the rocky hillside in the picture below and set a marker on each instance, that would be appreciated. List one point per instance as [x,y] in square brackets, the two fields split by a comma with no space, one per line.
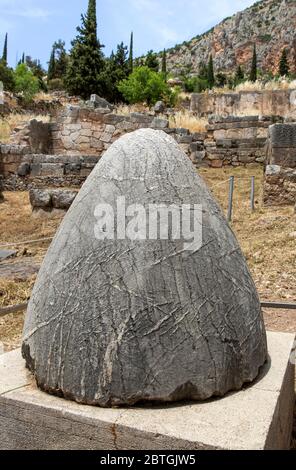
[271,24]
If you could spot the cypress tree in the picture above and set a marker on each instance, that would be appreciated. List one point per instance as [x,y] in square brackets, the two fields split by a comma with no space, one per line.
[284,68]
[164,64]
[86,64]
[253,73]
[51,66]
[23,58]
[131,54]
[4,56]
[211,76]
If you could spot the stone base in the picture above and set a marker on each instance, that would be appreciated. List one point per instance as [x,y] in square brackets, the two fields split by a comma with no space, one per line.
[258,417]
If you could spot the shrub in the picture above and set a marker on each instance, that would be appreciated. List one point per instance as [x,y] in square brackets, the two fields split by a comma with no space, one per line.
[195,84]
[25,82]
[145,85]
[56,84]
[6,77]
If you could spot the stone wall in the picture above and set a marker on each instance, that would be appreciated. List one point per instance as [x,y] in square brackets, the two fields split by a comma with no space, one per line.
[280,174]
[236,140]
[260,103]
[64,152]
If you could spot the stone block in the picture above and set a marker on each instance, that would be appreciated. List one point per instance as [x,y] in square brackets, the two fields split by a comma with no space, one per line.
[113,119]
[141,118]
[51,169]
[159,123]
[283,135]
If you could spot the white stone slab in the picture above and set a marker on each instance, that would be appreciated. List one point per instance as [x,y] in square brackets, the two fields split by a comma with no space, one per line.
[258,417]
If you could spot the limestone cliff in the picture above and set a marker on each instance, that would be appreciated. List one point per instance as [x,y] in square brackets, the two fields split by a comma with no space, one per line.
[270,24]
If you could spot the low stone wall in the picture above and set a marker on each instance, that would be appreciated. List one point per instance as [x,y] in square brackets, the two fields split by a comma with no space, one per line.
[25,171]
[280,174]
[236,140]
[262,103]
[64,153]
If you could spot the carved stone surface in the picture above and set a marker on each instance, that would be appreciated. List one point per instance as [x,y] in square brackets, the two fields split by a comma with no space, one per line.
[116,322]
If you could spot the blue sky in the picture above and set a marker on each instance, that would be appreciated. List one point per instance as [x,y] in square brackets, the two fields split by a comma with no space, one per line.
[33,25]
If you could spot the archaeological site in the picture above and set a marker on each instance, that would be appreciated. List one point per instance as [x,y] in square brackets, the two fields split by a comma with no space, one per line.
[148,234]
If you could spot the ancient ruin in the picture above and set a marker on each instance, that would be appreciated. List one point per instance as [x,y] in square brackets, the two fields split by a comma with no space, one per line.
[120,321]
[280,174]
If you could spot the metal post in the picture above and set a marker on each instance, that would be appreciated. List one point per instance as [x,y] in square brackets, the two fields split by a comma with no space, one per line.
[230,198]
[253,193]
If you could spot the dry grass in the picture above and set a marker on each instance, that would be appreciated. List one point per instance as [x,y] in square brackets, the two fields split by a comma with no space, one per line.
[42,96]
[187,120]
[282,84]
[265,239]
[17,223]
[12,121]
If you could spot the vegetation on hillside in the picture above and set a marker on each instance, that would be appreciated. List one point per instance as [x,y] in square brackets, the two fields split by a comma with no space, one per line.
[123,78]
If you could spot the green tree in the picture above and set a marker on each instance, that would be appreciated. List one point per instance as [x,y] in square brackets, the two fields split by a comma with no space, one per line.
[211,76]
[23,58]
[254,71]
[4,55]
[25,82]
[239,75]
[117,69]
[221,79]
[51,66]
[7,77]
[145,85]
[203,71]
[86,62]
[164,64]
[284,68]
[152,61]
[61,59]
[195,84]
[131,54]
[36,68]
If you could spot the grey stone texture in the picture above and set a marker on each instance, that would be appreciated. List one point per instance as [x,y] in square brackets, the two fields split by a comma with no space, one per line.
[49,199]
[117,322]
[280,173]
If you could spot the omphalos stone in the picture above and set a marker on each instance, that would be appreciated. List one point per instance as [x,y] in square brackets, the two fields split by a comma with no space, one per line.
[116,322]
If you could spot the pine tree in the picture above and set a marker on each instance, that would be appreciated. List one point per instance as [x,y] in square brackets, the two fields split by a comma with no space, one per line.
[23,58]
[51,66]
[86,64]
[284,68]
[211,76]
[152,61]
[254,72]
[131,54]
[164,64]
[4,55]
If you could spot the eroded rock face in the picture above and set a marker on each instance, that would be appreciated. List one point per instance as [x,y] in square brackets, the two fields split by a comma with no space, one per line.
[116,322]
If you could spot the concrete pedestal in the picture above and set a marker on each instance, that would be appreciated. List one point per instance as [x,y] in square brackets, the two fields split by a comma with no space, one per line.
[258,417]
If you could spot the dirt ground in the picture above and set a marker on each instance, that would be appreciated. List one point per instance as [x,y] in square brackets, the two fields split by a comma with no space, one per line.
[267,237]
